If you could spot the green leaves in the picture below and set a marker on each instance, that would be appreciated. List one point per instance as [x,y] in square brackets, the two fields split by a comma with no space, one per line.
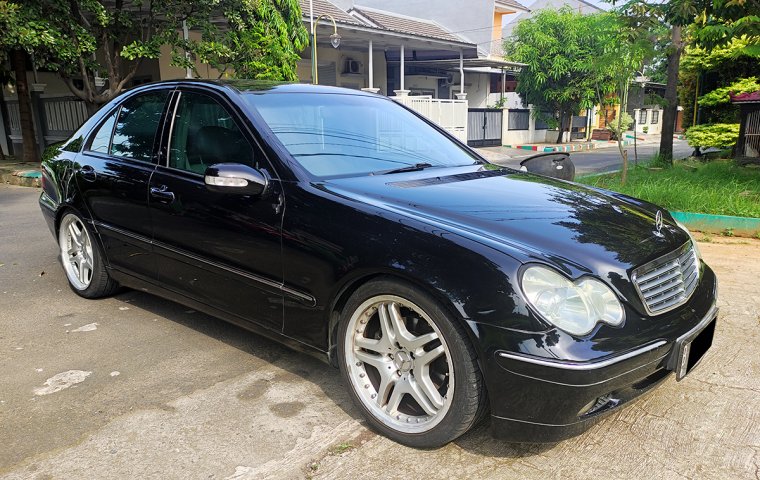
[718,135]
[720,96]
[575,61]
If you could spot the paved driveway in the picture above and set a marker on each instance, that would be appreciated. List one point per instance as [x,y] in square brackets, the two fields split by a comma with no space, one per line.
[137,387]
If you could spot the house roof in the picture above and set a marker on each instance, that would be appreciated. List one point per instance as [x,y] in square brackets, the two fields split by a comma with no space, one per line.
[403,24]
[751,97]
[323,7]
[512,4]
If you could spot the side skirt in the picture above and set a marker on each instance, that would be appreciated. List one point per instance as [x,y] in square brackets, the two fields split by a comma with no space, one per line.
[135,283]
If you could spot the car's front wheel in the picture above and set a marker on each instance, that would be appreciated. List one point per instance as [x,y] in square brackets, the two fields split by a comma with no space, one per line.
[409,365]
[82,260]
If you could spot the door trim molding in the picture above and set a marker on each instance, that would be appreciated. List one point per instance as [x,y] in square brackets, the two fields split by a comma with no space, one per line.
[291,292]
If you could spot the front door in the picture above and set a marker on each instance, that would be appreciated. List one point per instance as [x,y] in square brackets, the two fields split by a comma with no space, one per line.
[112,174]
[220,249]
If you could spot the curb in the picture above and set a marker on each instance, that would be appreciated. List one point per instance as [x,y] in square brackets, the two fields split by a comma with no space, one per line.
[705,222]
[571,148]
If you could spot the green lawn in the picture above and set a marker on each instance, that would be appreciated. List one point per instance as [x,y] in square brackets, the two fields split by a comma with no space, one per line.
[717,187]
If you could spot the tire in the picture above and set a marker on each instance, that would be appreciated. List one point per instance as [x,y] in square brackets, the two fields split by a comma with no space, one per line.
[82,260]
[409,366]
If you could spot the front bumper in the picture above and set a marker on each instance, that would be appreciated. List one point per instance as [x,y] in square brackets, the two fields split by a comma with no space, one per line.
[537,399]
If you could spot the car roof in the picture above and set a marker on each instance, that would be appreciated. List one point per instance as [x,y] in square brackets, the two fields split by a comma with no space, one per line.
[265,86]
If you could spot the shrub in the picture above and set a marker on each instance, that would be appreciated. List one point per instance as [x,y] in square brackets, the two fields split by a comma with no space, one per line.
[718,135]
[625,120]
[645,129]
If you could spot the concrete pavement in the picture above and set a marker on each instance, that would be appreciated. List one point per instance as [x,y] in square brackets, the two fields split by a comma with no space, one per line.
[134,386]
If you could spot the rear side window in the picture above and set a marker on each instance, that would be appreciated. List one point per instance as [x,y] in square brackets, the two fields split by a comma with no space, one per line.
[136,127]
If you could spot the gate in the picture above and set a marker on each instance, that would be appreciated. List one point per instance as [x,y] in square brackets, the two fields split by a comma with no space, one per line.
[751,147]
[484,127]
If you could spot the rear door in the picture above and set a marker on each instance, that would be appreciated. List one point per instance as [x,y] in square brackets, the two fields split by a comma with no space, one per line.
[220,249]
[112,174]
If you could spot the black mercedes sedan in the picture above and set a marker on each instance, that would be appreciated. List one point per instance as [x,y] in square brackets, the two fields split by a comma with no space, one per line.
[445,288]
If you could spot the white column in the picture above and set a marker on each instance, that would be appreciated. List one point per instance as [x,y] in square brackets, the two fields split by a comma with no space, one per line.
[371,66]
[402,92]
[402,67]
[371,69]
[461,95]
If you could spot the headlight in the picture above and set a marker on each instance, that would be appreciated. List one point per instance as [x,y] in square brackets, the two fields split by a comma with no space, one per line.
[575,307]
[693,242]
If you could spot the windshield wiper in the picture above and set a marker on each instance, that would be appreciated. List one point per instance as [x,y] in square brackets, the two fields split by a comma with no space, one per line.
[409,168]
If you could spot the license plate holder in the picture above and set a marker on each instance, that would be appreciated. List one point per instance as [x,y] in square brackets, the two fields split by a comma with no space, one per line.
[691,349]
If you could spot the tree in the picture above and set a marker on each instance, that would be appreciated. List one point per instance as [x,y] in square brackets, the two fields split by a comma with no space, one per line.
[677,14]
[704,70]
[557,48]
[22,34]
[725,20]
[93,40]
[621,46]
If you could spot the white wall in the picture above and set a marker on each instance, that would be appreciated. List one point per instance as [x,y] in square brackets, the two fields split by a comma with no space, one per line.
[509,21]
[338,56]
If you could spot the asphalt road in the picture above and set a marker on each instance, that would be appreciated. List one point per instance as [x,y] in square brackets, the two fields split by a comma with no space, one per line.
[134,386]
[589,161]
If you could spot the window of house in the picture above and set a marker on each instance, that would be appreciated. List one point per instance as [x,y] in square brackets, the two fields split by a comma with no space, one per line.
[655,117]
[136,127]
[642,117]
[204,133]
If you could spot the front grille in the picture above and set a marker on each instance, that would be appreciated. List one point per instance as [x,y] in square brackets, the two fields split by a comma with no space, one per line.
[669,281]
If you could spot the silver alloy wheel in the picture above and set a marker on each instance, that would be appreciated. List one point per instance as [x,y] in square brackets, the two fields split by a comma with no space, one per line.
[399,364]
[76,251]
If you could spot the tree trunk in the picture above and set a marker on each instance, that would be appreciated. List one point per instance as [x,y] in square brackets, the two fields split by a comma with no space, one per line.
[6,127]
[671,96]
[18,60]
[561,125]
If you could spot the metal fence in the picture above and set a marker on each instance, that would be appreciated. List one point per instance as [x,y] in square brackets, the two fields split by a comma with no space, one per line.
[59,117]
[518,119]
[451,115]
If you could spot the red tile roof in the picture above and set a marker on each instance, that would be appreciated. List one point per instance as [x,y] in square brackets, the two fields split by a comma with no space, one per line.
[752,97]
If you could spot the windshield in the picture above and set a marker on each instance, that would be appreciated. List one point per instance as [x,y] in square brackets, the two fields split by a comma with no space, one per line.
[333,135]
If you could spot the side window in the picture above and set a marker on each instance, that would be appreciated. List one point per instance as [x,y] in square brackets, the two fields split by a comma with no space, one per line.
[136,126]
[102,138]
[204,133]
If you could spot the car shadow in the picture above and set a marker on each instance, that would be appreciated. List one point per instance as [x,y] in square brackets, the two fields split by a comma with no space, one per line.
[478,440]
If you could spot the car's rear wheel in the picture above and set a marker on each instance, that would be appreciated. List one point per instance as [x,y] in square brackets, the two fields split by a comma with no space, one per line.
[409,365]
[82,260]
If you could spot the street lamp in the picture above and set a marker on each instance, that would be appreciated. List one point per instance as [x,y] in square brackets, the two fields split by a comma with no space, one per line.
[334,41]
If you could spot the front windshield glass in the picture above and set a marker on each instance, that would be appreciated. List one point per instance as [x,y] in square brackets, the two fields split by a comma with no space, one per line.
[334,135]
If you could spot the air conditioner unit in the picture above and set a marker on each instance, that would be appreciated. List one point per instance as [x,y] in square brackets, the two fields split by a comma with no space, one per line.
[352,66]
[446,82]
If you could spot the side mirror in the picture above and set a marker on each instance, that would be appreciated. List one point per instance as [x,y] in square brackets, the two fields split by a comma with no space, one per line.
[235,178]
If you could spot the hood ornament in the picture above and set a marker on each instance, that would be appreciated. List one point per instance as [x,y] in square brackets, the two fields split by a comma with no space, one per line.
[658,221]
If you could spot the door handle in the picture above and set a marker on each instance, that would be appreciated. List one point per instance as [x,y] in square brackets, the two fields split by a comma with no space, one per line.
[162,194]
[88,173]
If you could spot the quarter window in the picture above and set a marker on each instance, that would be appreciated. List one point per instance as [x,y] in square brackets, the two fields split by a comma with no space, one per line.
[204,133]
[102,139]
[136,127]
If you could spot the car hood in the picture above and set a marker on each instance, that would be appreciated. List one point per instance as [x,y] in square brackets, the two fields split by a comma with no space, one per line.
[575,227]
